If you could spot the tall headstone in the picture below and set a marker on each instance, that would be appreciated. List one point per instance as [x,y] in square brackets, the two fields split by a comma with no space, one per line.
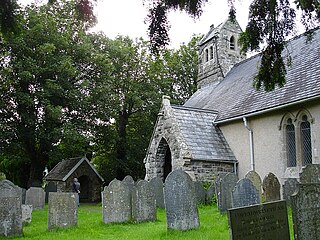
[157,186]
[180,201]
[200,192]
[10,209]
[143,202]
[211,193]
[290,186]
[35,196]
[63,210]
[116,202]
[245,194]
[271,188]
[218,187]
[227,184]
[256,180]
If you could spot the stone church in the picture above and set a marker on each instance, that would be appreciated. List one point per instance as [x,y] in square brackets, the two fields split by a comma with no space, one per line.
[228,126]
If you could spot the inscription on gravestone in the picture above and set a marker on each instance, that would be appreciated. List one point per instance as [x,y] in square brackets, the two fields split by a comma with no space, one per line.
[267,221]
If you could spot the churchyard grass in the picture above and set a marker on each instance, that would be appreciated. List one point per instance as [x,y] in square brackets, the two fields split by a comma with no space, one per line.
[213,226]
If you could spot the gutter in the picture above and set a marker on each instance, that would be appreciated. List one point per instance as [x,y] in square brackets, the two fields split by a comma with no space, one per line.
[250,143]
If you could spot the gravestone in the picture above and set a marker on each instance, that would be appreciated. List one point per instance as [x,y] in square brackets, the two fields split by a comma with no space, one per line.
[211,192]
[23,195]
[128,180]
[10,209]
[256,180]
[26,214]
[200,192]
[63,210]
[143,202]
[245,194]
[218,187]
[180,201]
[306,212]
[116,202]
[271,188]
[290,186]
[310,174]
[50,187]
[267,221]
[157,186]
[35,196]
[227,184]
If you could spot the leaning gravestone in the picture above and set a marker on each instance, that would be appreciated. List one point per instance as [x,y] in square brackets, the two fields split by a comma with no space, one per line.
[200,192]
[227,184]
[211,192]
[271,188]
[267,221]
[10,209]
[35,196]
[26,213]
[180,201]
[157,186]
[116,202]
[256,180]
[306,205]
[245,194]
[143,202]
[63,210]
[290,186]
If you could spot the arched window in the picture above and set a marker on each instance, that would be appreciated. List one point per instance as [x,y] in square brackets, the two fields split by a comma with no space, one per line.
[291,144]
[206,55]
[305,134]
[232,43]
[211,52]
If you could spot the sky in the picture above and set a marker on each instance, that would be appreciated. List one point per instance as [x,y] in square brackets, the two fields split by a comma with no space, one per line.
[127,17]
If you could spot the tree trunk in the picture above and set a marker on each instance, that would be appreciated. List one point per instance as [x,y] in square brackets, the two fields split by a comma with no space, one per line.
[121,147]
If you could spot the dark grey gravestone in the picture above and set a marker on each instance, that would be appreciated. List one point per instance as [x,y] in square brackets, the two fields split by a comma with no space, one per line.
[63,210]
[23,195]
[143,202]
[310,174]
[180,201]
[227,184]
[245,194]
[267,221]
[157,186]
[271,188]
[116,202]
[290,186]
[128,180]
[200,192]
[305,206]
[35,196]
[10,209]
[211,193]
[256,180]
[50,187]
[218,187]
[26,214]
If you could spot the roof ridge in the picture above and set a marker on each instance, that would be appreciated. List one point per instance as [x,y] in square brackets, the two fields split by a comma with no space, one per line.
[194,109]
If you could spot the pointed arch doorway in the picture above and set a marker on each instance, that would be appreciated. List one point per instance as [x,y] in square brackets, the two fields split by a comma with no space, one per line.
[164,158]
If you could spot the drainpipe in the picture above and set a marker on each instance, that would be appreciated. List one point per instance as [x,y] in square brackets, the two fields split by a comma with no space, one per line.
[250,143]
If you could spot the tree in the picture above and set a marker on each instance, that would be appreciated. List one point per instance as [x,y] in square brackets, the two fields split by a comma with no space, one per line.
[43,69]
[270,22]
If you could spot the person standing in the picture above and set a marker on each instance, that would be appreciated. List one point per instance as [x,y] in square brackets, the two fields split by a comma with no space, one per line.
[76,189]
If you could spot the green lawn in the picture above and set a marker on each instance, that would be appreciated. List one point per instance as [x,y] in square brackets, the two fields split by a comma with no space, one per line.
[213,226]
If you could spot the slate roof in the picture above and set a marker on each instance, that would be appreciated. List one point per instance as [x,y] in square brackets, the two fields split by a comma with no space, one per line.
[205,141]
[63,170]
[235,96]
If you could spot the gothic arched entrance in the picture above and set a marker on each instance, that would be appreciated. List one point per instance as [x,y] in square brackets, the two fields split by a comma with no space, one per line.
[164,158]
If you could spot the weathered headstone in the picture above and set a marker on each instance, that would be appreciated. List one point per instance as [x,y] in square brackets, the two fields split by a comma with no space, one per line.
[211,193]
[157,186]
[143,202]
[35,196]
[227,184]
[116,202]
[306,212]
[180,201]
[128,180]
[271,188]
[63,210]
[256,180]
[310,174]
[245,194]
[267,221]
[26,213]
[50,187]
[290,186]
[200,192]
[218,187]
[10,209]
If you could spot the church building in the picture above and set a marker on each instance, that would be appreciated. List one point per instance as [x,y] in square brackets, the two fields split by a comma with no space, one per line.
[229,126]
